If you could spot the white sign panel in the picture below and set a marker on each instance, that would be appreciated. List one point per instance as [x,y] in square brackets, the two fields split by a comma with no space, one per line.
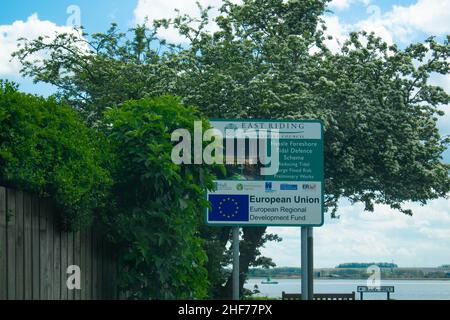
[266,203]
[289,194]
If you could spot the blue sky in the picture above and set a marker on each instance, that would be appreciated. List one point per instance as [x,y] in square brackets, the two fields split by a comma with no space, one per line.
[96,15]
[385,235]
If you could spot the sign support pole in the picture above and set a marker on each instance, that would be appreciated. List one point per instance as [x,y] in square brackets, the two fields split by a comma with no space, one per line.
[310,264]
[235,245]
[307,263]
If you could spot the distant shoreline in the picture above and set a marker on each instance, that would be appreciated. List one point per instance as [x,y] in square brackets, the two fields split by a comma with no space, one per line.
[355,273]
[333,278]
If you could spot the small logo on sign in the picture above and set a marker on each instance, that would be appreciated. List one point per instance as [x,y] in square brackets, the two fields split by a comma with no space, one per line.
[309,187]
[229,208]
[269,187]
[288,187]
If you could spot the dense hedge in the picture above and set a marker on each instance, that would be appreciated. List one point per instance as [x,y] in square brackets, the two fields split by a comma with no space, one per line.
[149,206]
[46,149]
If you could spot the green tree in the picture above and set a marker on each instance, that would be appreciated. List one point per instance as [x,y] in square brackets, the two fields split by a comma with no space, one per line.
[104,71]
[46,149]
[268,60]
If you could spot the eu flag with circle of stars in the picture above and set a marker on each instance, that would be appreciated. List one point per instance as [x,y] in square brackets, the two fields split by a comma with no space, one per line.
[228,208]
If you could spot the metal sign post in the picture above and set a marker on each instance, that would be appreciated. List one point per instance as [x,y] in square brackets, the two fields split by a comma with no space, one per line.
[307,263]
[310,264]
[304,263]
[235,245]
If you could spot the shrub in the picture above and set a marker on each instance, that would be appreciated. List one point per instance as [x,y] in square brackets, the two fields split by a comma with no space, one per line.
[157,204]
[46,149]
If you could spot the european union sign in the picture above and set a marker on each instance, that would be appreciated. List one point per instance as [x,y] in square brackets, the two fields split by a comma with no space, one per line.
[228,208]
[290,195]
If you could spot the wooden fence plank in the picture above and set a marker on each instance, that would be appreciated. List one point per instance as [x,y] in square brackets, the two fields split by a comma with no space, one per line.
[88,273]
[56,260]
[115,274]
[35,247]
[109,271]
[50,253]
[83,265]
[28,263]
[63,274]
[3,251]
[70,262]
[20,248]
[100,269]
[43,248]
[77,260]
[11,242]
[95,259]
[104,273]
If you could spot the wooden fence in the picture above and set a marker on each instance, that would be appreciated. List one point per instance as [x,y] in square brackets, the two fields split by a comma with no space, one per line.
[35,254]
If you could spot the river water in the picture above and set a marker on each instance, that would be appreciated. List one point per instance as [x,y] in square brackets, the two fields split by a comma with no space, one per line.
[404,289]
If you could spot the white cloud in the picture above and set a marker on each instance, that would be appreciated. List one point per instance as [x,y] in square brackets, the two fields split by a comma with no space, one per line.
[403,23]
[158,9]
[340,4]
[443,81]
[345,4]
[384,235]
[400,23]
[30,29]
[429,16]
[338,30]
[376,23]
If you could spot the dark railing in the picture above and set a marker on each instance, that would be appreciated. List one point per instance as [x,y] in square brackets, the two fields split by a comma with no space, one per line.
[320,296]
